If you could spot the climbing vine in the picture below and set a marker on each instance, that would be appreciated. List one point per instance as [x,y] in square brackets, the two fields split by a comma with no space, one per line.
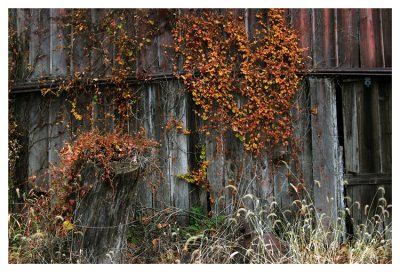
[111,46]
[101,150]
[199,175]
[241,83]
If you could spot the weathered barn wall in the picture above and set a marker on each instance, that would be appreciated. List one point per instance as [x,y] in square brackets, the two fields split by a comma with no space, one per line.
[343,43]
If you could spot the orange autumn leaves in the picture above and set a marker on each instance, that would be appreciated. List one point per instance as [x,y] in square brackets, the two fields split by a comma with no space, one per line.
[239,83]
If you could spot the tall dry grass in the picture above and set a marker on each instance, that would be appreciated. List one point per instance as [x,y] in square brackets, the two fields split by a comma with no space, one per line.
[252,233]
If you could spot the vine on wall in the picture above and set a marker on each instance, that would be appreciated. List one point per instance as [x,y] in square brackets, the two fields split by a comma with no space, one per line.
[239,83]
[111,46]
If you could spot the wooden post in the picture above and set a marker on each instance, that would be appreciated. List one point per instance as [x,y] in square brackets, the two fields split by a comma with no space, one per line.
[103,217]
[325,147]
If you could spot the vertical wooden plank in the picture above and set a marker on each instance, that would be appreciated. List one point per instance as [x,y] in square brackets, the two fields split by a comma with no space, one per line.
[82,108]
[375,127]
[370,46]
[302,128]
[135,123]
[301,20]
[22,116]
[80,55]
[357,210]
[264,187]
[233,160]
[102,109]
[325,146]
[245,177]
[165,44]
[38,141]
[148,61]
[149,110]
[39,47]
[58,58]
[179,189]
[362,127]
[348,41]
[162,191]
[102,47]
[385,122]
[176,149]
[368,132]
[351,111]
[386,20]
[324,52]
[144,192]
[340,190]
[215,171]
[251,21]
[23,25]
[57,130]
[281,187]
[197,195]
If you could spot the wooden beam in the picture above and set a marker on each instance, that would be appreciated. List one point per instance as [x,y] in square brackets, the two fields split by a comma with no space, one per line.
[325,147]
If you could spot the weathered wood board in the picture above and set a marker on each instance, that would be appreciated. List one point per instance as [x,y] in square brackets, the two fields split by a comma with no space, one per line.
[336,38]
[104,220]
[325,148]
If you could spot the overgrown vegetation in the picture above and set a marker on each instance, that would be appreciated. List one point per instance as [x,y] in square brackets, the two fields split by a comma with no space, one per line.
[44,228]
[252,233]
[240,84]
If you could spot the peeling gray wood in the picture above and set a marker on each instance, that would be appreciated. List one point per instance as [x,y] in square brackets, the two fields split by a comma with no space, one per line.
[340,195]
[177,150]
[161,194]
[145,197]
[325,147]
[104,220]
[215,172]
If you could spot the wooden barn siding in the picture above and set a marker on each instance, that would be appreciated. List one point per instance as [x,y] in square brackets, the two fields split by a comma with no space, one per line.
[336,38]
[367,130]
[229,164]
